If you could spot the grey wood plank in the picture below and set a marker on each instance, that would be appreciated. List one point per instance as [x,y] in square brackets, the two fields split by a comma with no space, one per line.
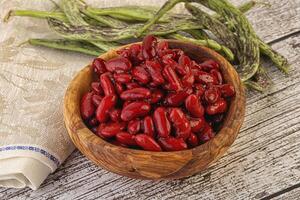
[263,160]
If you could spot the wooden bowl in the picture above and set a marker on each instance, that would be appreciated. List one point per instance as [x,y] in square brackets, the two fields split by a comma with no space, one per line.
[146,164]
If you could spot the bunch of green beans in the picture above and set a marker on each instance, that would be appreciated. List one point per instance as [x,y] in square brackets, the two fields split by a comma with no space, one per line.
[92,31]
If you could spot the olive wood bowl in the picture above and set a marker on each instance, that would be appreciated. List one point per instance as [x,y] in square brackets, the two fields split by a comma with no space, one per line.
[147,164]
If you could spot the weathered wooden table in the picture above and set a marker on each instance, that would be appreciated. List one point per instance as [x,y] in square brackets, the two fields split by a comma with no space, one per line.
[263,163]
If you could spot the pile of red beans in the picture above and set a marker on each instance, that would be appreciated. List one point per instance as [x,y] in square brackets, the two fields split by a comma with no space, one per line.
[155,98]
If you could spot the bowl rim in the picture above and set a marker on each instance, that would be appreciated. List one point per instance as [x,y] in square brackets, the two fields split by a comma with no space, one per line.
[240,95]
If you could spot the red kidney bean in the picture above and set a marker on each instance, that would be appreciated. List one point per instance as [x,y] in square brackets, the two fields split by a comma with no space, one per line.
[107,103]
[147,142]
[126,103]
[205,78]
[122,77]
[156,96]
[185,62]
[162,45]
[188,80]
[172,144]
[180,122]
[118,64]
[119,88]
[126,138]
[193,105]
[96,99]
[148,126]
[176,99]
[161,122]
[154,69]
[134,126]
[192,141]
[115,114]
[106,84]
[93,122]
[171,76]
[98,66]
[195,65]
[167,60]
[87,107]
[199,90]
[134,110]
[132,85]
[111,129]
[206,135]
[197,124]
[217,74]
[211,95]
[167,52]
[148,47]
[96,87]
[135,49]
[141,75]
[227,90]
[218,107]
[124,53]
[136,94]
[178,53]
[209,65]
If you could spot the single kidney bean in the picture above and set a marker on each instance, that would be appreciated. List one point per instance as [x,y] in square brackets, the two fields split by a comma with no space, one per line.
[115,114]
[154,69]
[96,99]
[106,84]
[192,141]
[178,53]
[135,109]
[87,108]
[119,88]
[172,144]
[185,62]
[98,66]
[176,99]
[156,96]
[180,122]
[93,122]
[211,95]
[168,60]
[126,138]
[148,47]
[188,80]
[199,90]
[218,75]
[227,90]
[134,50]
[118,64]
[161,122]
[122,77]
[197,124]
[147,142]
[107,103]
[205,78]
[126,103]
[167,52]
[132,85]
[193,105]
[124,53]
[136,94]
[162,45]
[171,76]
[134,126]
[207,134]
[141,75]
[111,129]
[148,126]
[209,65]
[218,107]
[96,87]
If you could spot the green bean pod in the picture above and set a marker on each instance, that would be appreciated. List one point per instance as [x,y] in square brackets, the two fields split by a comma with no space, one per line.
[71,10]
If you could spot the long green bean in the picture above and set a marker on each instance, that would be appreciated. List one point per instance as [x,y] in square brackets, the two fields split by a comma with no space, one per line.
[105,46]
[71,10]
[37,14]
[208,43]
[109,34]
[77,46]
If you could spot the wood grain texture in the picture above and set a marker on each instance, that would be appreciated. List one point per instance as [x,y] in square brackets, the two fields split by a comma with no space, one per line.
[264,160]
[146,164]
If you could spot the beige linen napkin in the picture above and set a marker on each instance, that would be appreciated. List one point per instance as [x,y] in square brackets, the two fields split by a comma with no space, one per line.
[33,139]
